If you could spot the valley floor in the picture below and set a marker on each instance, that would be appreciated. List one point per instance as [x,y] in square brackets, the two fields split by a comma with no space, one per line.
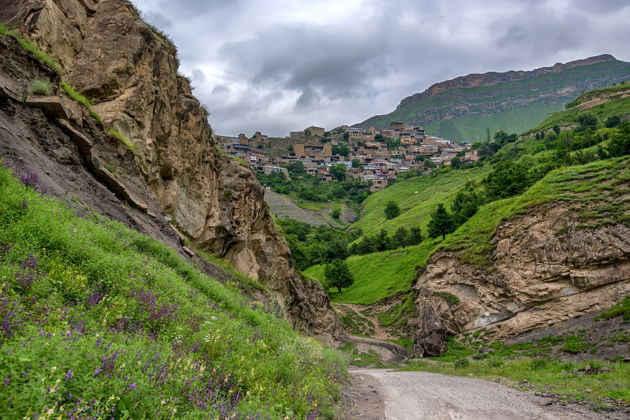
[384,394]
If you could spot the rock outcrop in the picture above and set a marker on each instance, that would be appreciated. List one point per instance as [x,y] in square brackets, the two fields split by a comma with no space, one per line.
[129,71]
[546,268]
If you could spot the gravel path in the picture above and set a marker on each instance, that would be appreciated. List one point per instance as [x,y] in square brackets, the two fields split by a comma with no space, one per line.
[423,395]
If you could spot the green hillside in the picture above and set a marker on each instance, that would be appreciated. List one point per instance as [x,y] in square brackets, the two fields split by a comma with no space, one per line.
[99,321]
[384,274]
[584,167]
[417,198]
[514,106]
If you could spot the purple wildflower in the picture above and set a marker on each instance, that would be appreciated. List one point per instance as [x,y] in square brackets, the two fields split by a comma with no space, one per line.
[131,386]
[69,375]
[30,179]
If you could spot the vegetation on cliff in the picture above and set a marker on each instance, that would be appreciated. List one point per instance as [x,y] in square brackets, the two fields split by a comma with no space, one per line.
[98,320]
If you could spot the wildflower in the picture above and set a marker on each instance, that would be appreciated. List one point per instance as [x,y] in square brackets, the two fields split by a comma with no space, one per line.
[69,375]
[131,386]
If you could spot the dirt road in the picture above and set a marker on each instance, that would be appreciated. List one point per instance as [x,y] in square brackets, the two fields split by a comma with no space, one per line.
[422,395]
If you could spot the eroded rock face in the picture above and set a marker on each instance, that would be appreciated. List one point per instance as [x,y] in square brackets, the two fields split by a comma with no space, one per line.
[545,269]
[131,75]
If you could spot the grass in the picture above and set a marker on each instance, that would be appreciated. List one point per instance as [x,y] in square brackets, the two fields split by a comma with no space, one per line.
[621,309]
[584,187]
[76,96]
[379,275]
[417,199]
[27,46]
[361,359]
[97,318]
[124,140]
[619,107]
[398,313]
[41,87]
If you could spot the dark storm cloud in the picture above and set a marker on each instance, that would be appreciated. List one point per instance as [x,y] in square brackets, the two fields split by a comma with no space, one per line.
[281,65]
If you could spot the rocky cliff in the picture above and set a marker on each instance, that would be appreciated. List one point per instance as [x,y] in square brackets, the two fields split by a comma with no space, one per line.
[175,173]
[547,267]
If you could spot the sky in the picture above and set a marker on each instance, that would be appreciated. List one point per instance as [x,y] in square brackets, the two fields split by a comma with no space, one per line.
[277,66]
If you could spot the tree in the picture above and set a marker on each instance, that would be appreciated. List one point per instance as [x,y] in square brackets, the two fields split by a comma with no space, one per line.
[338,172]
[382,241]
[415,236]
[346,136]
[392,210]
[620,141]
[456,163]
[612,121]
[379,137]
[587,122]
[336,213]
[465,205]
[338,275]
[341,150]
[400,237]
[441,223]
[356,163]
[295,168]
[428,163]
[507,179]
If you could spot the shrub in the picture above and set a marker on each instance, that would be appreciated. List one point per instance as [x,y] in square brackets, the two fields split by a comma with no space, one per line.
[462,363]
[41,87]
[392,210]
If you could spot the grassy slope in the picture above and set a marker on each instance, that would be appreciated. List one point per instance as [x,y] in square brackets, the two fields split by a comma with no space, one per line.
[619,107]
[384,274]
[98,319]
[379,275]
[517,119]
[415,207]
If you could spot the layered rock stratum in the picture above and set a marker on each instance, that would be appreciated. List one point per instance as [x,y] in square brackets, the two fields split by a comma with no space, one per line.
[176,183]
[546,268]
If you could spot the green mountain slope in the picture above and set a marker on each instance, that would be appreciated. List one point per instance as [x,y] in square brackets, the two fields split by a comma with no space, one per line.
[417,198]
[466,107]
[574,167]
[384,274]
[99,321]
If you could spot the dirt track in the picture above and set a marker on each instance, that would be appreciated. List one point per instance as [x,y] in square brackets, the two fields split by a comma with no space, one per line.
[421,395]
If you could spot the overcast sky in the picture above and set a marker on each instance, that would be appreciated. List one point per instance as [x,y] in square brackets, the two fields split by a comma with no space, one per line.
[281,65]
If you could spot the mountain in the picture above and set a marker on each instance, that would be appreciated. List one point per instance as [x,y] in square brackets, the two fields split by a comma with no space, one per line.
[466,107]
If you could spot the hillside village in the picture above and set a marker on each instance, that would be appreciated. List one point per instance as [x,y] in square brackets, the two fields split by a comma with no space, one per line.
[369,154]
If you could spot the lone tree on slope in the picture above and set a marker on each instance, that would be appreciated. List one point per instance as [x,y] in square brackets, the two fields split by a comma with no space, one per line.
[392,210]
[441,223]
[338,275]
